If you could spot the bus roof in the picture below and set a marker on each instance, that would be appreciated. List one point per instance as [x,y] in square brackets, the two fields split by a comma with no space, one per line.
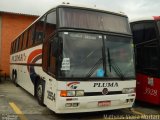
[146,18]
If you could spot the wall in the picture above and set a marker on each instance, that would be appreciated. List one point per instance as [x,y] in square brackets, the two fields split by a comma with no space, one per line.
[12,25]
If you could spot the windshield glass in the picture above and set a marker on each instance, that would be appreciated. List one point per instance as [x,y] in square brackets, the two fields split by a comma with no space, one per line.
[119,52]
[80,52]
[93,20]
[84,55]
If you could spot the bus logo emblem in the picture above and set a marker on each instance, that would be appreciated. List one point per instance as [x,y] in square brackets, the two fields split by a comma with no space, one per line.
[73,85]
[105,91]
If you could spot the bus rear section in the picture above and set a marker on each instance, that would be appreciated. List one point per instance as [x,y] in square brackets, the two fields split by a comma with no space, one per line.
[146,34]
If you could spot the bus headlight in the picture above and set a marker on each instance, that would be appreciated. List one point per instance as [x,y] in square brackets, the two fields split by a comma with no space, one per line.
[128,90]
[71,93]
[80,93]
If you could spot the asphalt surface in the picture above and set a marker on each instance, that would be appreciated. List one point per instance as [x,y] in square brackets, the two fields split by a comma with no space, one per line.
[17,104]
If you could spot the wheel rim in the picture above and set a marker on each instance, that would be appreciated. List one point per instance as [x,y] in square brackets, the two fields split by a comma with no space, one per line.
[39,92]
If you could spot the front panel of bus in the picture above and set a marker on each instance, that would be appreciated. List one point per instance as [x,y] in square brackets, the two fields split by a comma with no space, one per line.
[146,40]
[94,64]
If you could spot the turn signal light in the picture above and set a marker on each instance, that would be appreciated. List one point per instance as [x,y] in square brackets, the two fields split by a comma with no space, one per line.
[63,93]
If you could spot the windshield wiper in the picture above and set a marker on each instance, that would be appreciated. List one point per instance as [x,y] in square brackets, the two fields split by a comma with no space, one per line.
[94,67]
[113,65]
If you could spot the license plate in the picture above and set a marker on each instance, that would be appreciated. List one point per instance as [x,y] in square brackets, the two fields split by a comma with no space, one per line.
[104,103]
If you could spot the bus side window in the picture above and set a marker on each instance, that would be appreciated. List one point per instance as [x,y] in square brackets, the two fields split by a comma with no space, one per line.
[25,38]
[50,28]
[20,42]
[31,36]
[51,60]
[39,31]
[50,24]
[143,32]
[13,50]
[45,55]
[17,43]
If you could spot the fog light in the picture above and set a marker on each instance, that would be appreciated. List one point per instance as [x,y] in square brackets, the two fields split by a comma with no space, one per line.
[68,105]
[75,104]
[128,90]
[71,93]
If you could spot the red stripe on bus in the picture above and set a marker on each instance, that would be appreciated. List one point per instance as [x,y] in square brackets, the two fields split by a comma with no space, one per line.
[33,55]
[72,83]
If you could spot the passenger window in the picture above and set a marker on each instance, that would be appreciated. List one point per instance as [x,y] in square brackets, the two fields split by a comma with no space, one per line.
[50,24]
[144,32]
[20,42]
[39,32]
[25,38]
[31,36]
[17,42]
[51,60]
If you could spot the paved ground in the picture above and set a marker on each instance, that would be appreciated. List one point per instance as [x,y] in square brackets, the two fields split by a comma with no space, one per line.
[15,100]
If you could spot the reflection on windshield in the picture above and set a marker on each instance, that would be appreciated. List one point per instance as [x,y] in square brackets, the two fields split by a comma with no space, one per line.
[120,53]
[84,56]
[82,51]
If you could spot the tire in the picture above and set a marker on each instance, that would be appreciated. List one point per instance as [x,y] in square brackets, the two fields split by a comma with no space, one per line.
[14,78]
[40,92]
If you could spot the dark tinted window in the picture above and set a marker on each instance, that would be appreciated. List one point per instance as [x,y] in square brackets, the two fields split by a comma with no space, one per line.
[147,58]
[20,42]
[16,46]
[143,32]
[31,35]
[50,24]
[25,38]
[39,32]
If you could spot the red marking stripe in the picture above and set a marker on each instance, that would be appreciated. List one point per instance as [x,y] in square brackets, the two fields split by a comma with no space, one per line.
[33,54]
[72,83]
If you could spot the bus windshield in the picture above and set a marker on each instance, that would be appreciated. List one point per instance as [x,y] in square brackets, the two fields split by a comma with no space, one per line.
[83,56]
[93,20]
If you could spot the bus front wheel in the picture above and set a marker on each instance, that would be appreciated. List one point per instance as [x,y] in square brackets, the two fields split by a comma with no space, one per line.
[40,92]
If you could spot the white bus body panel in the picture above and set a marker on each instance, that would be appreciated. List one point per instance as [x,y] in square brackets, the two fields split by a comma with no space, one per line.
[19,62]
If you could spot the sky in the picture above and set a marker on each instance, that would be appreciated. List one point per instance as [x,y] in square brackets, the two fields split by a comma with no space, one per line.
[132,8]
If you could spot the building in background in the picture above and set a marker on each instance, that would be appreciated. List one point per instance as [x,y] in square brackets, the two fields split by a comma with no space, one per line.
[11,25]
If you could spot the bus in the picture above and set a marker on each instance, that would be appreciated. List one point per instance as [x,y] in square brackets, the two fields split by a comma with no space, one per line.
[146,37]
[76,59]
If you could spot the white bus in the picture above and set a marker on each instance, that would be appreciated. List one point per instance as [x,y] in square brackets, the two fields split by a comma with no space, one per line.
[76,59]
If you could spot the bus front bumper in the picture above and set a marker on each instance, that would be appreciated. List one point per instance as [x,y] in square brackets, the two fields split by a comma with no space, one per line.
[94,103]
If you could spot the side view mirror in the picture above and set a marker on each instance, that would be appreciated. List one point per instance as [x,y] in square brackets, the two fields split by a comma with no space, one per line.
[55,46]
